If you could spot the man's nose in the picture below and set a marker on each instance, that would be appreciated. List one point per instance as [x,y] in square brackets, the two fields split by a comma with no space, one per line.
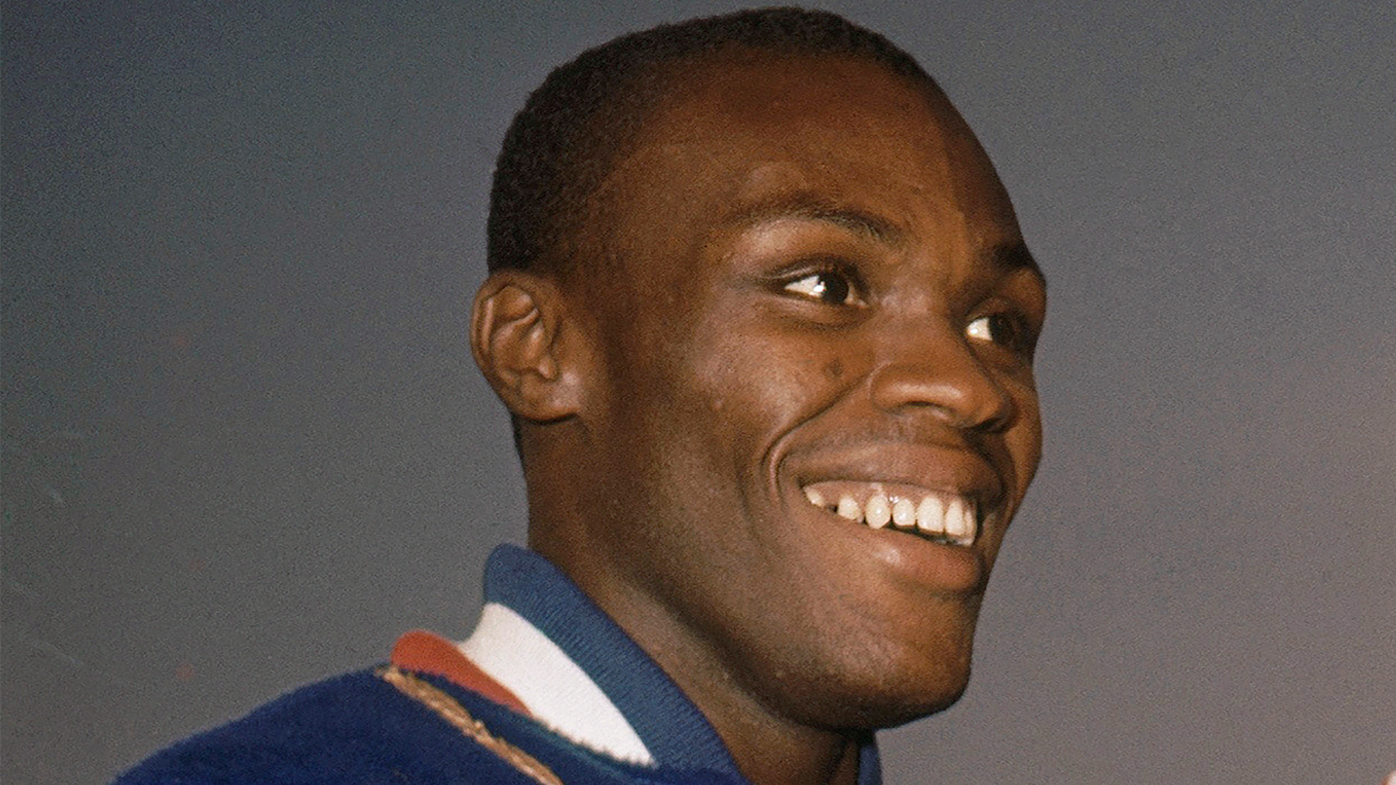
[937,372]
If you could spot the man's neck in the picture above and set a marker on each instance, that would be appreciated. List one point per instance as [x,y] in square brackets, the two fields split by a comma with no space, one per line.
[769,759]
[768,748]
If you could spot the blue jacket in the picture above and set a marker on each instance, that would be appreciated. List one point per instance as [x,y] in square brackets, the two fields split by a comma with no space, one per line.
[432,716]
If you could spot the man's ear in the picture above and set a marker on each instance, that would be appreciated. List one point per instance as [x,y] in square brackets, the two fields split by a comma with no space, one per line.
[519,335]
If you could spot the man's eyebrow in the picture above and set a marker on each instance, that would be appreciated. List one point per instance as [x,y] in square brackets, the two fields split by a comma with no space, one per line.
[1007,257]
[1016,256]
[810,208]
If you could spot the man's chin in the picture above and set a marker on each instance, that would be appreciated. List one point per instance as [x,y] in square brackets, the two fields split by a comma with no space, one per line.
[900,679]
[915,710]
[893,711]
[879,703]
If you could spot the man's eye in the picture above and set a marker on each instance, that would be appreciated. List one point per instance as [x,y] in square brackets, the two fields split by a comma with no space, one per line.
[828,287]
[1000,328]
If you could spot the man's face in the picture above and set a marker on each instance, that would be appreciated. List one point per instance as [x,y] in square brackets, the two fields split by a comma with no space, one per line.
[815,411]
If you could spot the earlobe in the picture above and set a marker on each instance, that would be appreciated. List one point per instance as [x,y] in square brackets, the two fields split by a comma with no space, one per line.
[517,336]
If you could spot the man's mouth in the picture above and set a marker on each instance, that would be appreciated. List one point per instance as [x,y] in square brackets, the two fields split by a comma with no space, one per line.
[938,516]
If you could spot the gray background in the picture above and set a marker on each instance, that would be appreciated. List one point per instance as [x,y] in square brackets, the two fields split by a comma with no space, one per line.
[245,446]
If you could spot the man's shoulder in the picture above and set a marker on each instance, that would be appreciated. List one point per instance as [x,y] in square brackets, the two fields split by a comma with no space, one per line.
[356,727]
[390,726]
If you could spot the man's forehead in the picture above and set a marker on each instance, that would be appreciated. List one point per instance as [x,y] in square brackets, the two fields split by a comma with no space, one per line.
[770,126]
[750,83]
[777,191]
[776,120]
[781,190]
[867,163]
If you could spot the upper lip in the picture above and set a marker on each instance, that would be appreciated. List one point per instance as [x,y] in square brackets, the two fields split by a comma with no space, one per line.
[934,468]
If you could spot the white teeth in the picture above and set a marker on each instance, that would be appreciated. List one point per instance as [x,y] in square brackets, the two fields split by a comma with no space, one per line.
[878,512]
[930,515]
[904,514]
[959,521]
[849,509]
[938,516]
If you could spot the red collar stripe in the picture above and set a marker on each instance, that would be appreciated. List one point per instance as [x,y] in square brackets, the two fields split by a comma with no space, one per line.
[427,652]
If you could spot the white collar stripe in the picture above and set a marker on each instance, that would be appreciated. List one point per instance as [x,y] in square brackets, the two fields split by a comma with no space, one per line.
[557,692]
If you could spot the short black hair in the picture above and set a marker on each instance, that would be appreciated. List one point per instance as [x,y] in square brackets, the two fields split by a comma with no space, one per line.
[577,124]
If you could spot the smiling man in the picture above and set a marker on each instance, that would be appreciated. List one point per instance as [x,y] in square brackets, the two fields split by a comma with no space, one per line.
[764,318]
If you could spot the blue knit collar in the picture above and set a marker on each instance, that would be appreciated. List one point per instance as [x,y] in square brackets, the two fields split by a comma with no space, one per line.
[671,727]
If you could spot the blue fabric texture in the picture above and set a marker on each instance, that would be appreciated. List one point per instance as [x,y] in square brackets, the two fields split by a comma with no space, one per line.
[358,728]
[672,728]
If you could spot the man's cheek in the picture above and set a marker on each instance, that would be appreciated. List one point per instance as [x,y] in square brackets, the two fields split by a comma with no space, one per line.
[780,366]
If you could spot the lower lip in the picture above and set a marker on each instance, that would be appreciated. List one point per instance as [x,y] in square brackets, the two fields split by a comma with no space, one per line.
[907,557]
